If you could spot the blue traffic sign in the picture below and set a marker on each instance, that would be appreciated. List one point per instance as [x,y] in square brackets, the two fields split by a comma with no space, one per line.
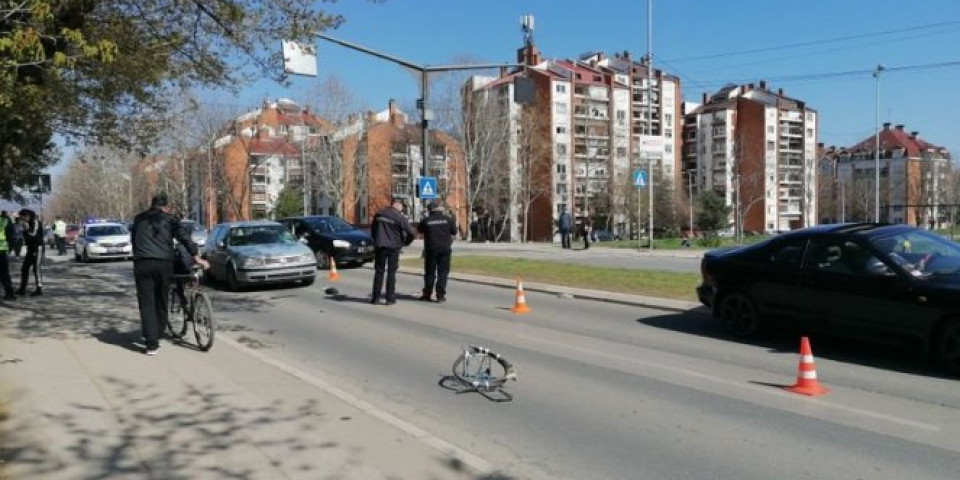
[427,187]
[640,178]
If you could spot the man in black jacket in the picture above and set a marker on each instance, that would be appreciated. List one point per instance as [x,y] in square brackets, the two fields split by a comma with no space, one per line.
[391,231]
[153,258]
[438,231]
[33,239]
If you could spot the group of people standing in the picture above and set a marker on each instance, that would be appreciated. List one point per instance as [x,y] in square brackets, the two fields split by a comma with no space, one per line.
[26,230]
[391,231]
[565,225]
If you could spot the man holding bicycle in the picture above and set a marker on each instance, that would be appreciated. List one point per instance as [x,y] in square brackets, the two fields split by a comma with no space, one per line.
[153,258]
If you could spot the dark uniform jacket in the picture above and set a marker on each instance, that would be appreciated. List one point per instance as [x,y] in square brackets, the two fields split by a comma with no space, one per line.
[438,231]
[153,234]
[391,229]
[33,233]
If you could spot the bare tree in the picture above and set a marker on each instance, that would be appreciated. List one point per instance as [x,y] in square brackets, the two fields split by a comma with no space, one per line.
[533,163]
[97,183]
[747,177]
[484,133]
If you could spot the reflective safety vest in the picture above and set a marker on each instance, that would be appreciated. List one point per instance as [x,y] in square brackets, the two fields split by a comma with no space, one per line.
[3,234]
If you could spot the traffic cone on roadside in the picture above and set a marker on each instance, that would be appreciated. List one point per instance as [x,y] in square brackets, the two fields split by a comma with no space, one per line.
[520,305]
[333,275]
[807,383]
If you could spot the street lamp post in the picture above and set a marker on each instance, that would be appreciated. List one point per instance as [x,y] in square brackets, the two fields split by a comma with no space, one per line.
[650,117]
[876,149]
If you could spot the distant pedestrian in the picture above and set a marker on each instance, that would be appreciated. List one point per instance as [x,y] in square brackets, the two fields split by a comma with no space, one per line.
[33,239]
[565,225]
[60,235]
[391,231]
[153,260]
[438,231]
[587,230]
[6,231]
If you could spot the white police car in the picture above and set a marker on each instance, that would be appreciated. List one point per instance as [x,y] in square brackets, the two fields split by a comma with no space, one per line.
[103,240]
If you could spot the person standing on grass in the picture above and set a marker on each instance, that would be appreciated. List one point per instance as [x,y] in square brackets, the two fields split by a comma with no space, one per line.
[565,224]
[587,231]
[33,238]
[438,231]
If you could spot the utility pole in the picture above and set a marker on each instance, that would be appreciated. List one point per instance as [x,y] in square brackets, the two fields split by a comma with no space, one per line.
[876,149]
[650,116]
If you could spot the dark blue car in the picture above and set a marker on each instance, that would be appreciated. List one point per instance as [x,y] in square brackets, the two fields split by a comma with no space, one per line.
[330,236]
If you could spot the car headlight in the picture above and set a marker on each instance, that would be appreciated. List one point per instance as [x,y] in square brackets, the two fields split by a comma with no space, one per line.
[307,257]
[252,263]
[341,244]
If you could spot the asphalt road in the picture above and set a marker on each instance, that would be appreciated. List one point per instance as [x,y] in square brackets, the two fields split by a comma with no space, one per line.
[609,391]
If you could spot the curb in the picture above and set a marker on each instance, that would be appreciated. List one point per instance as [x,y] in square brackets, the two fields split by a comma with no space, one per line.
[580,293]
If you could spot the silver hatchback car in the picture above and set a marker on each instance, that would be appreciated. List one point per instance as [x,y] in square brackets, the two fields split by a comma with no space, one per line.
[258,252]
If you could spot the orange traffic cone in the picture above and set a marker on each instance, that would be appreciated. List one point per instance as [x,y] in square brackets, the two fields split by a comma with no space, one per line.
[334,275]
[807,383]
[520,305]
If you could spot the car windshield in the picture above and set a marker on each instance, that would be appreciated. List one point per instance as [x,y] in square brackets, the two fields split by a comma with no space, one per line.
[259,235]
[104,230]
[920,253]
[330,225]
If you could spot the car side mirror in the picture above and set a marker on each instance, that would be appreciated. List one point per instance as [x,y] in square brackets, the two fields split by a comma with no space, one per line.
[880,269]
[221,244]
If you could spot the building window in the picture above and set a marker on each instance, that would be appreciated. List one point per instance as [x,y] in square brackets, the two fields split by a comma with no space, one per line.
[561,108]
[770,129]
[561,149]
[771,146]
[668,118]
[561,168]
[809,132]
[621,152]
[561,130]
[668,148]
[561,88]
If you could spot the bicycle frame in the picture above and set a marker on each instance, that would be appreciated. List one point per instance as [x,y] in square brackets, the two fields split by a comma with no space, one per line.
[477,369]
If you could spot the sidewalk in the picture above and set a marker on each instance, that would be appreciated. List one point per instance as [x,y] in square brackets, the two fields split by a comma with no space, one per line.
[78,399]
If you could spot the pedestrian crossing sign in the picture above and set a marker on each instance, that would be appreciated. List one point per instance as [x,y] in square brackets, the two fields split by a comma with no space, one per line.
[640,178]
[427,187]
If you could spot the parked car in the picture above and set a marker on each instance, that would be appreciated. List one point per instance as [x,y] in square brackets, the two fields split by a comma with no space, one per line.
[258,252]
[103,240]
[605,236]
[197,232]
[890,282]
[330,236]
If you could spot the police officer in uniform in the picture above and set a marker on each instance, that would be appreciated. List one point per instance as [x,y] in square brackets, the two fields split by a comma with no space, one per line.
[6,232]
[391,231]
[438,231]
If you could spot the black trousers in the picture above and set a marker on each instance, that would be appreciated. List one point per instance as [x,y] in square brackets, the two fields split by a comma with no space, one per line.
[565,238]
[5,273]
[153,288]
[437,266]
[32,261]
[386,260]
[61,243]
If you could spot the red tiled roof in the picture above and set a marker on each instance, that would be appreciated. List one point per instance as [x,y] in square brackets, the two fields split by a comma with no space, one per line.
[891,138]
[586,73]
[273,146]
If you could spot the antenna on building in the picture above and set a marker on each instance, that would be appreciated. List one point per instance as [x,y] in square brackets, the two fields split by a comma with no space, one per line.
[526,25]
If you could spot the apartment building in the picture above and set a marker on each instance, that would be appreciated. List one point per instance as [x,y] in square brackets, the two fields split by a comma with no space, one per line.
[756,148]
[382,158]
[916,185]
[596,129]
[258,155]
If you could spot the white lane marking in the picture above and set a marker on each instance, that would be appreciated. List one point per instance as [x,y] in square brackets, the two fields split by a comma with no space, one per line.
[479,465]
[756,388]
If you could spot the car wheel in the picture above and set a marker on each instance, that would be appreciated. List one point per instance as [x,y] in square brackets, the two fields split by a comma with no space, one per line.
[306,282]
[76,255]
[232,283]
[85,257]
[323,261]
[948,349]
[739,315]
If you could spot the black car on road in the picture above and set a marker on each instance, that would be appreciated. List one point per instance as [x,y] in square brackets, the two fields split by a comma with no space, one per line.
[890,282]
[331,236]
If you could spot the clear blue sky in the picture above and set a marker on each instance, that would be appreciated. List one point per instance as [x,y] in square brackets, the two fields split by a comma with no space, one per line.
[695,40]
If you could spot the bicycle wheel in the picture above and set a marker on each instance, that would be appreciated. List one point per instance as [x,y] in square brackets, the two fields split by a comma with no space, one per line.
[177,315]
[203,323]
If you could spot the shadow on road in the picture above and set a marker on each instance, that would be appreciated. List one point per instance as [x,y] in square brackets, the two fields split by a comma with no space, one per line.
[785,339]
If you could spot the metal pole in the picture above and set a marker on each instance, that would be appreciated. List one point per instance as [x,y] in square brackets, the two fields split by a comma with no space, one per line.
[425,124]
[876,152]
[650,114]
[306,176]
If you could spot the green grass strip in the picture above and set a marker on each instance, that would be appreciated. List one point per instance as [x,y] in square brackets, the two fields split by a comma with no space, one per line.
[653,283]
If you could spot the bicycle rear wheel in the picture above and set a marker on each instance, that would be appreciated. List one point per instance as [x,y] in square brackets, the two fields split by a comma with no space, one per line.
[177,315]
[203,322]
